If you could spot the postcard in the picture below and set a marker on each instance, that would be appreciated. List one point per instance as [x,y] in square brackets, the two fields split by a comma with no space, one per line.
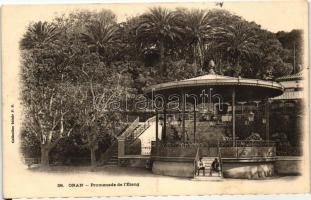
[138,99]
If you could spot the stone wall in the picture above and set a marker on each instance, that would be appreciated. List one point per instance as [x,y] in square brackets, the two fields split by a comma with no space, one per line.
[178,169]
[248,170]
[288,165]
[134,161]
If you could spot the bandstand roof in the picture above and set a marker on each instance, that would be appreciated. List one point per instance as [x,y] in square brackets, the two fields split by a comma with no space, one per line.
[246,89]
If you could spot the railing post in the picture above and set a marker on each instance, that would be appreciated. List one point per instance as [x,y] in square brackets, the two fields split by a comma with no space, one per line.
[157,132]
[233,116]
[237,151]
[183,117]
[121,147]
[164,121]
[194,121]
[219,157]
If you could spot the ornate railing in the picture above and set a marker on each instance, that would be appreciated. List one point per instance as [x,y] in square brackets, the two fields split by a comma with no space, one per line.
[142,127]
[247,149]
[247,143]
[222,143]
[223,149]
[130,128]
[134,146]
[136,149]
[247,152]
[288,150]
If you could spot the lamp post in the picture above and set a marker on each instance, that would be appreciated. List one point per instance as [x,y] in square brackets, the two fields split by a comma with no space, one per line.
[179,121]
[194,121]
[233,116]
[157,132]
[267,118]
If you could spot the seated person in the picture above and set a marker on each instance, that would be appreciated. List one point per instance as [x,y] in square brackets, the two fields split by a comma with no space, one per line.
[200,166]
[215,166]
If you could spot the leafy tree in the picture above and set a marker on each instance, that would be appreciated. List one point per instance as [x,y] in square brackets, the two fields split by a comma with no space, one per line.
[293,42]
[47,86]
[98,102]
[131,50]
[96,76]
[237,41]
[45,97]
[156,29]
[38,35]
[102,36]
[270,61]
[196,28]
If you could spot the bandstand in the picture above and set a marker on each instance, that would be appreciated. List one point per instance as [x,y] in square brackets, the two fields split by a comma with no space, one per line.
[198,117]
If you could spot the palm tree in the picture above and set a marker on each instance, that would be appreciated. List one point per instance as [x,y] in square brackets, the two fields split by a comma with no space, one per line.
[102,37]
[157,29]
[38,34]
[196,28]
[236,41]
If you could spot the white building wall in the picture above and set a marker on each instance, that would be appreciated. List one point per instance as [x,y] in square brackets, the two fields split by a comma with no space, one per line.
[148,136]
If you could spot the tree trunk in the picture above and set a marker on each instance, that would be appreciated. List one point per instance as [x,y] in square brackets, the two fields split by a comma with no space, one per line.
[220,66]
[201,58]
[93,156]
[161,48]
[237,73]
[195,60]
[45,151]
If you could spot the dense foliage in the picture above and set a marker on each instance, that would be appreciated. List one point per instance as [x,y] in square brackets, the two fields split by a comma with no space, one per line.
[75,65]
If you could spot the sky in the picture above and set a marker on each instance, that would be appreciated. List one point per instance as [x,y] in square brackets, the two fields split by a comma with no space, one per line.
[275,15]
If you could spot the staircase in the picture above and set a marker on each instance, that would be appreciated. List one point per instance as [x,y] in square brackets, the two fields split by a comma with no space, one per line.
[131,134]
[140,128]
[113,160]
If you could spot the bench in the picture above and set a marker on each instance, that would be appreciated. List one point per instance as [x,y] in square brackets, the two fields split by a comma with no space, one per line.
[31,161]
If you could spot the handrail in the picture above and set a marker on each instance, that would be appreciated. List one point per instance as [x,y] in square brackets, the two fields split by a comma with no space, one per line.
[142,129]
[196,158]
[247,143]
[223,143]
[219,158]
[131,128]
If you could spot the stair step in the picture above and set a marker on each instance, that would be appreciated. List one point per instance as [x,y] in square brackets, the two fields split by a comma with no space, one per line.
[208,178]
[111,163]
